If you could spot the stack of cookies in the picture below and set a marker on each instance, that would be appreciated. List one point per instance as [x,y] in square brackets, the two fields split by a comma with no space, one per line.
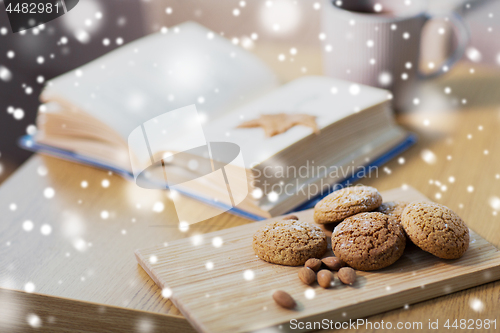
[372,235]
[369,234]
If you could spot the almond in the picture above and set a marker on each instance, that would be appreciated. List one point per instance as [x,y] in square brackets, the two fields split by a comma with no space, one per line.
[347,275]
[313,264]
[283,299]
[333,263]
[307,275]
[325,278]
[291,217]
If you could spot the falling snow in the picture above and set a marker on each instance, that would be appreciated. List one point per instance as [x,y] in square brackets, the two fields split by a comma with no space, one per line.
[29,287]
[428,156]
[196,240]
[158,207]
[46,229]
[354,89]
[248,275]
[183,226]
[309,293]
[49,193]
[473,54]
[217,242]
[33,320]
[166,292]
[385,78]
[494,203]
[476,304]
[5,74]
[18,114]
[257,193]
[28,225]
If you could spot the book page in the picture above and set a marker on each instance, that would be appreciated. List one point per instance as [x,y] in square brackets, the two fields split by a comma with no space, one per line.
[163,72]
[328,99]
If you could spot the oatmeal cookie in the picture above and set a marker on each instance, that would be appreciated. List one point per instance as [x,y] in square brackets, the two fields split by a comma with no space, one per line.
[368,241]
[346,202]
[289,242]
[436,229]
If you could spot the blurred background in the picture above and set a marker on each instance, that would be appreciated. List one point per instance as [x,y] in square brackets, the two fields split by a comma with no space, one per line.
[270,29]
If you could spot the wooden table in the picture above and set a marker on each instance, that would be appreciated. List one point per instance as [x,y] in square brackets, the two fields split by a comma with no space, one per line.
[76,256]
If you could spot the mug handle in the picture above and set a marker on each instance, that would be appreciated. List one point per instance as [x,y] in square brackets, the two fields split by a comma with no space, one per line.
[463,36]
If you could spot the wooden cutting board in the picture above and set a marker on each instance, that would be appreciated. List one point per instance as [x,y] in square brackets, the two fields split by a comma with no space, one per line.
[225,299]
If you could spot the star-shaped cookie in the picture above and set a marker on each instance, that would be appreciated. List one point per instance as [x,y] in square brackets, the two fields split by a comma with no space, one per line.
[274,124]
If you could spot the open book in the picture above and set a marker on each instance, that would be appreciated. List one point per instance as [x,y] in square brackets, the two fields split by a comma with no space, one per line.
[88,114]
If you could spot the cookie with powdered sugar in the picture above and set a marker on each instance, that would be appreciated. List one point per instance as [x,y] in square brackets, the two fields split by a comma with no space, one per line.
[436,229]
[289,242]
[346,202]
[369,241]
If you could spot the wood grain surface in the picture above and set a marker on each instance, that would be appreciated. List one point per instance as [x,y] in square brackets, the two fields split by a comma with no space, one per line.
[27,312]
[208,296]
[94,232]
[463,139]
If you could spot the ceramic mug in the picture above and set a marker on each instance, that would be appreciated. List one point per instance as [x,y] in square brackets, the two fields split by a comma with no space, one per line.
[377,42]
